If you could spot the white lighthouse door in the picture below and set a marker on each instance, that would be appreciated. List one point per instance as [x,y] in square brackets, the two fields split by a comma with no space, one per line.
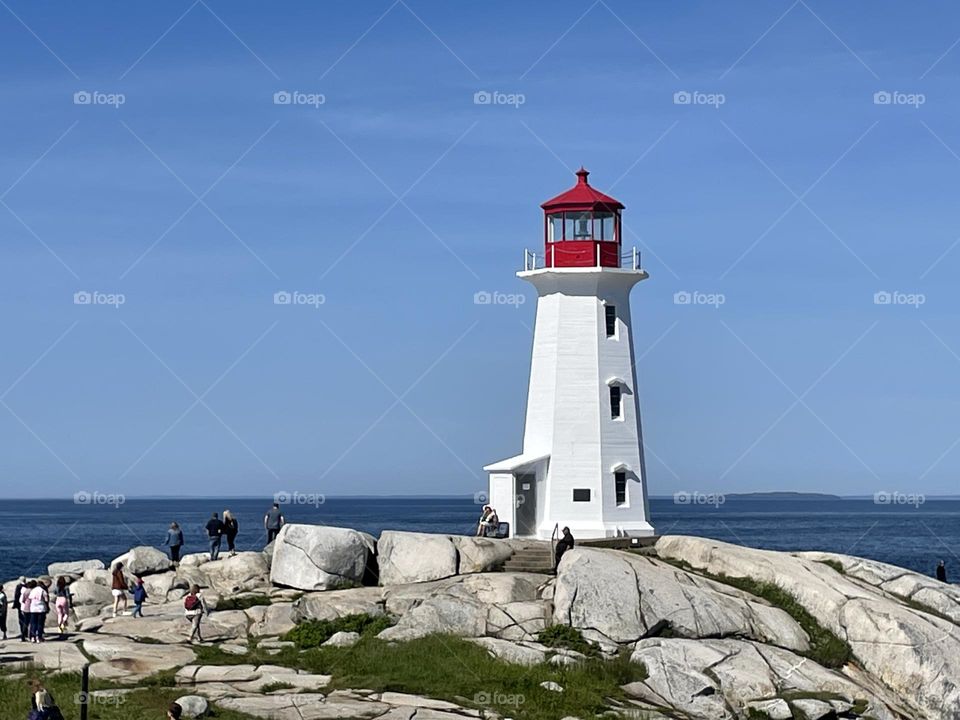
[525,497]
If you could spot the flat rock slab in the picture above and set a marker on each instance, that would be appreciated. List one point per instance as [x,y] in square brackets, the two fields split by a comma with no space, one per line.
[55,656]
[127,661]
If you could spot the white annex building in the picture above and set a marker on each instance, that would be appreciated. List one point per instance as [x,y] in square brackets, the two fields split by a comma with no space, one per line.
[582,461]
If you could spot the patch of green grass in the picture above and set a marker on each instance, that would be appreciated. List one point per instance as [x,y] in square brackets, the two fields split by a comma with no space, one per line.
[835,565]
[153,703]
[826,649]
[242,602]
[273,687]
[313,633]
[454,669]
[564,636]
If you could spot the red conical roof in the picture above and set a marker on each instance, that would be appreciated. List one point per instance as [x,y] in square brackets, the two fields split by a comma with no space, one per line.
[582,196]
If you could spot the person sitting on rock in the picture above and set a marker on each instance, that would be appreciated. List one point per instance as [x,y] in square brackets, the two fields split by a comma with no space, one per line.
[941,572]
[563,544]
[139,597]
[118,588]
[488,516]
[194,606]
[174,712]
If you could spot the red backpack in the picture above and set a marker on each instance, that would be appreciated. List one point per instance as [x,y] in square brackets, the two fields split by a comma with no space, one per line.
[191,602]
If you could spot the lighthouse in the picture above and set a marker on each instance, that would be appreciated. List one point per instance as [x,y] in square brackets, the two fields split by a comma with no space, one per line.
[582,463]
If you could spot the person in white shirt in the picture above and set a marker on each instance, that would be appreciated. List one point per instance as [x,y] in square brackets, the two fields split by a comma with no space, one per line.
[39,601]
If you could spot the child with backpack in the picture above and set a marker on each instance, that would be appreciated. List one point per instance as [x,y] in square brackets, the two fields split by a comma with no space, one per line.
[139,597]
[194,606]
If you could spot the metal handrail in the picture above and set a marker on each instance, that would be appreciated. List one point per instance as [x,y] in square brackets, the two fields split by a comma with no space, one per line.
[530,258]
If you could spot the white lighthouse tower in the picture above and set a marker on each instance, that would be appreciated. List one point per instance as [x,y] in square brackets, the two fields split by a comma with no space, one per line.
[582,461]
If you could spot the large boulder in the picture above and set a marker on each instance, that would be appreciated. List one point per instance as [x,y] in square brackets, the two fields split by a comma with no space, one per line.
[239,573]
[75,568]
[316,557]
[143,560]
[406,557]
[624,597]
[914,653]
[331,604]
[87,592]
[721,678]
[478,554]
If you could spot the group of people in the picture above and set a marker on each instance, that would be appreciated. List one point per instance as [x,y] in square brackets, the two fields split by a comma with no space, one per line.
[31,601]
[217,528]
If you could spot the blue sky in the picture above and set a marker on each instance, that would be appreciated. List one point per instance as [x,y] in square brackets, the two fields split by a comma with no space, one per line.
[796,199]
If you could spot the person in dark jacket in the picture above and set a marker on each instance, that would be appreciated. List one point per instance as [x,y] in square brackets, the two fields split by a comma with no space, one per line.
[174,541]
[139,598]
[3,612]
[230,528]
[563,544]
[941,572]
[215,535]
[22,618]
[272,522]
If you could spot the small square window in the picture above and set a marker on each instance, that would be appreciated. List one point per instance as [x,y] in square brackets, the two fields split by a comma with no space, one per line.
[615,404]
[611,318]
[620,481]
[581,494]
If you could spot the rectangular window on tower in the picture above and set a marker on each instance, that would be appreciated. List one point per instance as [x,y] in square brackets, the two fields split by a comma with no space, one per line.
[616,409]
[620,480]
[611,318]
[581,494]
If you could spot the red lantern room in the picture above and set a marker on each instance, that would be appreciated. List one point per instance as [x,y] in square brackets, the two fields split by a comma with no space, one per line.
[582,227]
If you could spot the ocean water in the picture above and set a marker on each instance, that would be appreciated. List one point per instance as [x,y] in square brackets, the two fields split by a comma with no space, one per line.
[35,533]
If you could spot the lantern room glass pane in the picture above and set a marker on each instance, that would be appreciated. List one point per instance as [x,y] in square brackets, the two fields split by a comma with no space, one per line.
[580,223]
[603,226]
[555,227]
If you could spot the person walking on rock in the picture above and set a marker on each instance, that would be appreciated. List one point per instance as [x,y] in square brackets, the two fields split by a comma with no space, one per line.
[194,606]
[118,587]
[215,535]
[174,541]
[22,617]
[272,522]
[24,596]
[230,528]
[941,572]
[3,612]
[64,603]
[139,598]
[39,601]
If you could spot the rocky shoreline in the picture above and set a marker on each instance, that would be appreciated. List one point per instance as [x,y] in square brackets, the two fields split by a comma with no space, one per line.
[714,630]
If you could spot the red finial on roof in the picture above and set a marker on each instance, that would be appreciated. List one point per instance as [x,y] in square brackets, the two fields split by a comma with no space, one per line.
[582,196]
